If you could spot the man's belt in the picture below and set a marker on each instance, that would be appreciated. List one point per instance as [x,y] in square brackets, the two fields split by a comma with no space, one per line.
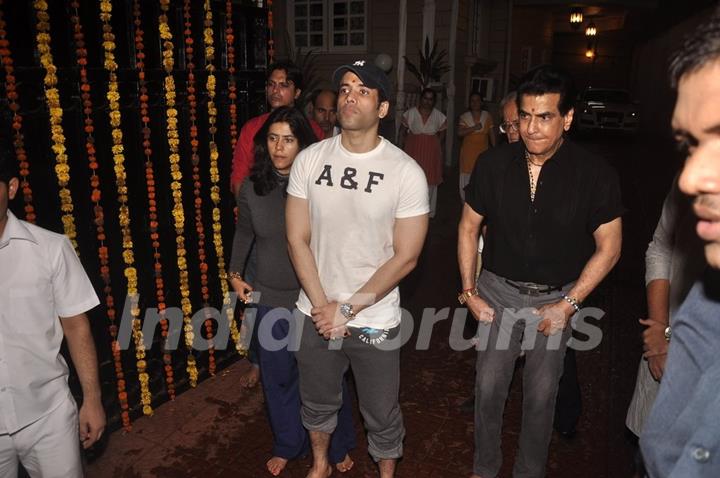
[531,288]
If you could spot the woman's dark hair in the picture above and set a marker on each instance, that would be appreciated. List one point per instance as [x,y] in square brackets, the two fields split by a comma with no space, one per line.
[429,90]
[474,93]
[263,174]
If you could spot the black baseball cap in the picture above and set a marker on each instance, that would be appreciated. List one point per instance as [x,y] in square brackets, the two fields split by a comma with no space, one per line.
[371,76]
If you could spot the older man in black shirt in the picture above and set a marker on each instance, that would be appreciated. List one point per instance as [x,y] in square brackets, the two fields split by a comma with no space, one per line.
[554,232]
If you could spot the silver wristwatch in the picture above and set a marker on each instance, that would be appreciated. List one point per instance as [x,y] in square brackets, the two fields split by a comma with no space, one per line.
[346,310]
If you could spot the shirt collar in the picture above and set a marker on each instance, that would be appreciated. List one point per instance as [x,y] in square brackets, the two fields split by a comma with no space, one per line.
[560,156]
[15,229]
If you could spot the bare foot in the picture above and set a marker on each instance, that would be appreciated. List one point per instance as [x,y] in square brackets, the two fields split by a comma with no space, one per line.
[250,378]
[345,465]
[314,473]
[276,465]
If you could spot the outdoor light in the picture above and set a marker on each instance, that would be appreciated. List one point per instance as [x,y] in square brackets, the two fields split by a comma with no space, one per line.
[576,18]
[591,30]
[589,53]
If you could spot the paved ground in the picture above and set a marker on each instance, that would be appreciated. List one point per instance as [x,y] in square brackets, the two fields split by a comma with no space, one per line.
[220,430]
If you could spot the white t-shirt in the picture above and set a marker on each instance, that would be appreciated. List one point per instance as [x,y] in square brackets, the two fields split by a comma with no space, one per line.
[354,199]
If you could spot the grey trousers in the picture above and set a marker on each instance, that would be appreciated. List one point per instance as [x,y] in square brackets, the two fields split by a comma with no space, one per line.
[515,329]
[376,371]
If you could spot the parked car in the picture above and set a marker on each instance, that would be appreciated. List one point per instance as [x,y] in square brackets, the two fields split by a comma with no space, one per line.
[606,109]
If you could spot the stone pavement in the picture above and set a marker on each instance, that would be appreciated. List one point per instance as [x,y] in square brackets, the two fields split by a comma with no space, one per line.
[219,429]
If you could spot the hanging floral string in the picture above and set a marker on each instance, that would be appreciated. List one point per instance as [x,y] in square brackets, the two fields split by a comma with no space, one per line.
[52,98]
[19,140]
[176,187]
[271,41]
[197,185]
[151,194]
[215,174]
[113,96]
[232,86]
[95,197]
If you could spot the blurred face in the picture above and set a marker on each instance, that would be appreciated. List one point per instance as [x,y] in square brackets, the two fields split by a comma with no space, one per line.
[280,91]
[283,146]
[696,122]
[427,101]
[510,125]
[541,124]
[358,107]
[325,111]
[7,193]
[475,103]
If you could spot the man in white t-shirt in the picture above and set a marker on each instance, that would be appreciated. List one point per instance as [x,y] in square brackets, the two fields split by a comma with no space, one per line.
[44,294]
[357,215]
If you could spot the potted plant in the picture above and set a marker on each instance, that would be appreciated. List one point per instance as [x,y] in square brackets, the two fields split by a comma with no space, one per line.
[433,65]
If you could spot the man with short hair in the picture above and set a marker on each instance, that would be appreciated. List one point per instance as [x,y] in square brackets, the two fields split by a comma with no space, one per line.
[510,125]
[357,215]
[44,293]
[283,86]
[681,436]
[325,112]
[554,232]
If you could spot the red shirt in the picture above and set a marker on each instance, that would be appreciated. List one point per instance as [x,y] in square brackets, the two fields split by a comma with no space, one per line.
[244,154]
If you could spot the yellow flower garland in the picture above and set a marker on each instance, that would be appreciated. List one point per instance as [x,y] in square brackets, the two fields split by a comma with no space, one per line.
[52,98]
[215,175]
[176,187]
[115,117]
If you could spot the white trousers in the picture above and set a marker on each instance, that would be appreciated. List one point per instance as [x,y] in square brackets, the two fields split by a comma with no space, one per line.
[463,181]
[47,448]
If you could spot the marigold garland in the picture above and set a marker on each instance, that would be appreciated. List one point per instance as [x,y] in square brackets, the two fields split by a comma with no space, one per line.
[52,98]
[95,197]
[197,185]
[271,41]
[232,86]
[19,140]
[152,203]
[176,187]
[113,96]
[215,175]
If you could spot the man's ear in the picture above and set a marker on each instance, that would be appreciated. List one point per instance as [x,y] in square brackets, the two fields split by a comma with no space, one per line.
[384,109]
[13,186]
[298,92]
[568,119]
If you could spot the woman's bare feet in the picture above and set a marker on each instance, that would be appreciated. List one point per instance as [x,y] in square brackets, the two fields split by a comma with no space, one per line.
[276,465]
[250,378]
[345,465]
[319,473]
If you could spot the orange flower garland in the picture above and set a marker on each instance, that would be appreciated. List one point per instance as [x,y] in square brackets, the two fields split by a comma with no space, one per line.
[271,42]
[52,98]
[95,196]
[197,193]
[113,96]
[215,174]
[176,187]
[152,203]
[19,141]
[232,87]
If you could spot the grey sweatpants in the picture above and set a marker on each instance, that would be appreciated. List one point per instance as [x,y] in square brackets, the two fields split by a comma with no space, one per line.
[376,371]
[513,329]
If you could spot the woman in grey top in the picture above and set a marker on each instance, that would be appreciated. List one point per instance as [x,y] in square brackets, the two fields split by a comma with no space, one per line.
[261,218]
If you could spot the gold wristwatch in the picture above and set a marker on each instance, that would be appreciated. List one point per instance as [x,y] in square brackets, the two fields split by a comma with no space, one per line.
[466,294]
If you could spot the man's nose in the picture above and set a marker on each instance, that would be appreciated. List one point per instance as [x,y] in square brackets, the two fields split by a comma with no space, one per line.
[701,172]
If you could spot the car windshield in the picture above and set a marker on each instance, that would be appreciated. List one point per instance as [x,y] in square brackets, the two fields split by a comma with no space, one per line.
[608,96]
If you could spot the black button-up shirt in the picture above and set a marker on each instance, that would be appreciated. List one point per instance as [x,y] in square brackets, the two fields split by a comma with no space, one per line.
[550,240]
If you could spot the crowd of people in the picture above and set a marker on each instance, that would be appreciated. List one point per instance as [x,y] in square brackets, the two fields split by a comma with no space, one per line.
[332,216]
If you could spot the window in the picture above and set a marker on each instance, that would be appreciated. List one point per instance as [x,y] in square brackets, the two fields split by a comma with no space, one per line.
[482,85]
[329,25]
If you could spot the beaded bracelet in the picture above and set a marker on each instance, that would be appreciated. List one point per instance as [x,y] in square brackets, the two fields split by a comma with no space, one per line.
[572,301]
